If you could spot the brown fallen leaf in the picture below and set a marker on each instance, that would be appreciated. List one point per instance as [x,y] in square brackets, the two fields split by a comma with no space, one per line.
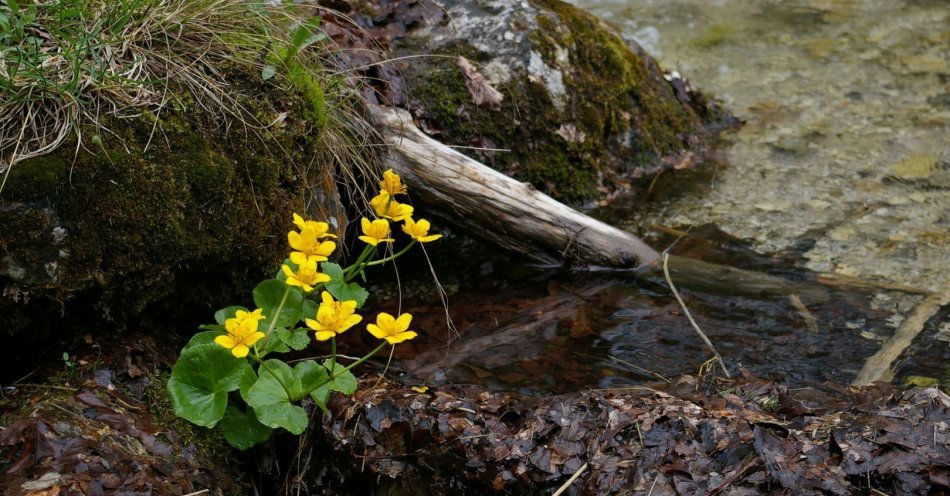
[570,133]
[479,89]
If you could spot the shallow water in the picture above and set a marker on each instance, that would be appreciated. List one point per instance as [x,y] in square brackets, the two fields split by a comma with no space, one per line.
[845,150]
[841,167]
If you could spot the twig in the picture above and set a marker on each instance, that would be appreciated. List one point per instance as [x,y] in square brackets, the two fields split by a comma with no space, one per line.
[666,273]
[639,369]
[196,493]
[878,366]
[654,483]
[810,321]
[571,480]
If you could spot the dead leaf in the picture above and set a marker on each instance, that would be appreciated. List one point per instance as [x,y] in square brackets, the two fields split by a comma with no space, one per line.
[479,89]
[570,133]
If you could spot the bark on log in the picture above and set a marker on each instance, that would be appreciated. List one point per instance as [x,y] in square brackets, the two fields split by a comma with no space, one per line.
[508,213]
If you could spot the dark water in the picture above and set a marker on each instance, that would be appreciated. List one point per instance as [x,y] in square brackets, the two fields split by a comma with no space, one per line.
[555,332]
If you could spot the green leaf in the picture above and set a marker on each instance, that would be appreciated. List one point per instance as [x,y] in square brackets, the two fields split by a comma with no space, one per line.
[13,6]
[309,374]
[344,382]
[268,295]
[271,401]
[274,343]
[218,328]
[340,289]
[226,313]
[280,272]
[241,429]
[321,396]
[248,378]
[297,339]
[201,380]
[206,337]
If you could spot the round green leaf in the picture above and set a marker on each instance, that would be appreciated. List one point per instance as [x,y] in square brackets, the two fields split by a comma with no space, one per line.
[309,374]
[268,295]
[206,337]
[271,401]
[344,382]
[201,380]
[242,429]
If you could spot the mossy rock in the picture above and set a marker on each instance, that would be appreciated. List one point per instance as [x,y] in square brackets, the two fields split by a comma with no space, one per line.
[584,111]
[163,217]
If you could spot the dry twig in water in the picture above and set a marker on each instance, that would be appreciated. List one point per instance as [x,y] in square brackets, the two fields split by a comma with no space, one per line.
[666,273]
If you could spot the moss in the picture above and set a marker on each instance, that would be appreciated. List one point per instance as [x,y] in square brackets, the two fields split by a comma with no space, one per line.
[617,98]
[172,213]
[209,442]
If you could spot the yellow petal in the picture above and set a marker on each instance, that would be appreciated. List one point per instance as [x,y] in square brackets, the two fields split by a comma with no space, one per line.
[293,239]
[348,306]
[298,221]
[402,323]
[300,258]
[426,239]
[326,297]
[287,272]
[365,224]
[253,338]
[321,277]
[368,240]
[423,225]
[240,351]
[420,389]
[225,341]
[386,321]
[376,331]
[402,336]
[313,324]
[324,335]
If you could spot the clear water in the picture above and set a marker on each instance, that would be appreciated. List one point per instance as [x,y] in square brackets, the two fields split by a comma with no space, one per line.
[844,154]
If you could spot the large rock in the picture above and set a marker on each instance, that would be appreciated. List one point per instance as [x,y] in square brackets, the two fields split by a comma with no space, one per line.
[581,110]
[175,214]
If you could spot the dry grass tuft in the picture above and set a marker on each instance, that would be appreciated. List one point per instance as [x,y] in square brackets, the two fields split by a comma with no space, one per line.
[65,64]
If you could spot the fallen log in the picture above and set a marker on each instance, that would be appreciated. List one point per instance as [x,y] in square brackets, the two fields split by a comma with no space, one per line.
[506,212]
[517,217]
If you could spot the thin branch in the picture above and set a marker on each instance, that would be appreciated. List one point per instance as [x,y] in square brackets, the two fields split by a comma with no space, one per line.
[666,273]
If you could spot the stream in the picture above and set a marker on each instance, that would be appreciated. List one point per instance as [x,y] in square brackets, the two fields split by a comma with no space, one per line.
[846,106]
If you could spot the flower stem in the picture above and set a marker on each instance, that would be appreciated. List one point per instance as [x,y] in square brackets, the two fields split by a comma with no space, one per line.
[366,253]
[397,255]
[333,353]
[333,375]
[271,372]
[273,322]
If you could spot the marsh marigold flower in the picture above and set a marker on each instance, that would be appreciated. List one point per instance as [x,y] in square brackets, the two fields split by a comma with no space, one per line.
[307,246]
[333,317]
[392,183]
[392,329]
[389,208]
[419,230]
[320,228]
[306,276]
[242,332]
[375,232]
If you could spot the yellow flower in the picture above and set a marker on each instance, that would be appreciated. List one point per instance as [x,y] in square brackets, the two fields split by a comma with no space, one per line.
[392,183]
[333,317]
[306,276]
[419,230]
[375,232]
[242,332]
[391,329]
[420,389]
[389,208]
[307,246]
[321,228]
